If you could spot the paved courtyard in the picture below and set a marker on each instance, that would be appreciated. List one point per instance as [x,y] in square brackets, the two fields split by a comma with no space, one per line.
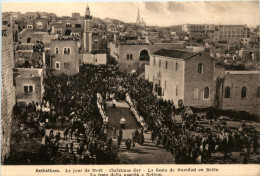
[148,153]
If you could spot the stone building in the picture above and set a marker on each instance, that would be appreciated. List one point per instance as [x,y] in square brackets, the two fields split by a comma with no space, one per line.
[179,74]
[29,36]
[240,91]
[201,31]
[29,85]
[70,26]
[199,82]
[65,56]
[232,34]
[41,24]
[8,91]
[134,56]
[250,54]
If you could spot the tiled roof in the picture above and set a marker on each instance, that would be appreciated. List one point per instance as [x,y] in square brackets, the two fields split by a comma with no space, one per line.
[181,54]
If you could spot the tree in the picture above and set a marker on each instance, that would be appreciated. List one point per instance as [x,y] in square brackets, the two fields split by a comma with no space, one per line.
[38,47]
[111,60]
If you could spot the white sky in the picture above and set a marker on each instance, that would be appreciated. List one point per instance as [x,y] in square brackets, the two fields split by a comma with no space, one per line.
[153,13]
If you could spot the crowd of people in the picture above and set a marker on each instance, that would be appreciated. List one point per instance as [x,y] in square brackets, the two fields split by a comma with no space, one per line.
[189,142]
[77,102]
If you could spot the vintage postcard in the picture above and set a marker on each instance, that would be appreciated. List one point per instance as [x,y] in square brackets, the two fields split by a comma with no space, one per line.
[130,88]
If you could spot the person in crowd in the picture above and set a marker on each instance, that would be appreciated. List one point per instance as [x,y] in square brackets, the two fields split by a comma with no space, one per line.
[122,122]
[114,131]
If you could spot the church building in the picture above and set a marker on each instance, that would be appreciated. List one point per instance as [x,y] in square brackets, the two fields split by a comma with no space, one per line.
[139,22]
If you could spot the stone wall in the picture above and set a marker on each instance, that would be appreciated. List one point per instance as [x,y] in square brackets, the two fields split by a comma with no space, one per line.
[127,65]
[193,80]
[7,94]
[95,59]
[251,103]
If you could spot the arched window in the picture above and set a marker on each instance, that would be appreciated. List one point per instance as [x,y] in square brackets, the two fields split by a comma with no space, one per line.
[28,40]
[56,50]
[39,25]
[176,66]
[196,94]
[131,57]
[65,51]
[243,92]
[258,92]
[68,24]
[206,93]
[200,68]
[166,64]
[127,57]
[68,50]
[227,92]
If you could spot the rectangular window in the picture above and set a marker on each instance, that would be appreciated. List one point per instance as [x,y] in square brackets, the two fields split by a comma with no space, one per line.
[258,92]
[27,89]
[66,65]
[166,64]
[77,25]
[30,88]
[154,61]
[206,93]
[160,63]
[165,84]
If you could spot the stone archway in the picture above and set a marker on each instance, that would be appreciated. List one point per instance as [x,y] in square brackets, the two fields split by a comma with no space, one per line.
[68,32]
[144,55]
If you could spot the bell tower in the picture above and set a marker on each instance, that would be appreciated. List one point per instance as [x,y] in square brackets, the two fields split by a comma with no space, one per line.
[87,32]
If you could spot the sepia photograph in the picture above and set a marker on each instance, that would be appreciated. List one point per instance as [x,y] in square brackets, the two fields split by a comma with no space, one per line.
[130,83]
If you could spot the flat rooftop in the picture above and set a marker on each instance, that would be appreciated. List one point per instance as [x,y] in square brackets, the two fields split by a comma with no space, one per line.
[242,72]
